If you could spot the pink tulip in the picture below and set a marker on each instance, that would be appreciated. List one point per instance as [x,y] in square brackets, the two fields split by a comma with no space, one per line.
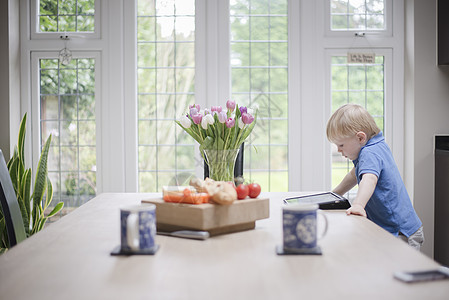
[230,122]
[247,118]
[222,117]
[216,109]
[230,105]
[197,118]
[197,106]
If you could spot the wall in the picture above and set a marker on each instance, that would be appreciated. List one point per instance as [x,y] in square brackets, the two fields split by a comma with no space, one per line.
[9,75]
[427,109]
[4,82]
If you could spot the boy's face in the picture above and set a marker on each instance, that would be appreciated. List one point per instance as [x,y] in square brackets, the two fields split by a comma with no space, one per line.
[349,147]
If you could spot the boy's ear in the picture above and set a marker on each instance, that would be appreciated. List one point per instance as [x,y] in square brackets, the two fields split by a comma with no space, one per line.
[362,137]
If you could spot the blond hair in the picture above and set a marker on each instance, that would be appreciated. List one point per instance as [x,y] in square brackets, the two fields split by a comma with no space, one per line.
[348,120]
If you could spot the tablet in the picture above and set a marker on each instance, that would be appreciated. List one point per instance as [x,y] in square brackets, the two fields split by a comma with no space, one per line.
[327,200]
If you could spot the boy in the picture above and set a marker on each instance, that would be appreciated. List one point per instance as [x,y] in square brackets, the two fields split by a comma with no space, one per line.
[381,194]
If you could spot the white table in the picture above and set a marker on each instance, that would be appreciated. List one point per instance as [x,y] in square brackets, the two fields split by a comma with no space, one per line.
[70,259]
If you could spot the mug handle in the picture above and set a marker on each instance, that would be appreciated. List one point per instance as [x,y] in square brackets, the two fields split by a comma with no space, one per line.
[132,231]
[321,213]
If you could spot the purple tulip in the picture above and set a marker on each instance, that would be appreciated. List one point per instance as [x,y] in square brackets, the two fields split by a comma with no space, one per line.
[193,111]
[222,117]
[230,105]
[197,118]
[230,122]
[243,109]
[247,118]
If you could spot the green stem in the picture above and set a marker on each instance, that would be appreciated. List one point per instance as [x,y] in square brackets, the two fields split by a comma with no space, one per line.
[238,137]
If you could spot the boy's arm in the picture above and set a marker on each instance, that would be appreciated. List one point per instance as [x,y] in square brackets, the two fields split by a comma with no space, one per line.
[348,182]
[364,193]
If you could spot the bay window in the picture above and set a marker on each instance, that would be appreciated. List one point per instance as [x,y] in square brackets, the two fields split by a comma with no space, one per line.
[135,66]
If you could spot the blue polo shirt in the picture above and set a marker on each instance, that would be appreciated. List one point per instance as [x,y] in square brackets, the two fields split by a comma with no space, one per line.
[389,206]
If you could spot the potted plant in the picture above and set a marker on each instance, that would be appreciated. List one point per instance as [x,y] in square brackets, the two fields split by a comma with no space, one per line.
[33,204]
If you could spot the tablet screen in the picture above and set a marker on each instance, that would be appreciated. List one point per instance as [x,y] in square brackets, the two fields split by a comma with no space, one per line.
[315,198]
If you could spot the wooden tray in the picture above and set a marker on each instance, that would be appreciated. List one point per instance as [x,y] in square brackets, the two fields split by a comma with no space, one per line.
[214,218]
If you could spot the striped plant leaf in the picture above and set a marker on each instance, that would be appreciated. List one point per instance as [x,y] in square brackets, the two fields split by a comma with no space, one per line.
[40,183]
[41,224]
[55,210]
[21,139]
[13,173]
[27,191]
[49,195]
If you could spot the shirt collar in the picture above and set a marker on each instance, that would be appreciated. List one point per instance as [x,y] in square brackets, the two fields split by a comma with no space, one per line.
[372,141]
[375,139]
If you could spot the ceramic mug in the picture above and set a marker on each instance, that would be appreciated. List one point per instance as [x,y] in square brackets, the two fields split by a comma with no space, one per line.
[138,227]
[300,227]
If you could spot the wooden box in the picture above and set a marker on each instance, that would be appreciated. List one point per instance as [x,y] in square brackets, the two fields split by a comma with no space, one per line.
[214,218]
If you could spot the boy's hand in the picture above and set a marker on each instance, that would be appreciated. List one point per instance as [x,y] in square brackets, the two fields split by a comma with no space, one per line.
[356,209]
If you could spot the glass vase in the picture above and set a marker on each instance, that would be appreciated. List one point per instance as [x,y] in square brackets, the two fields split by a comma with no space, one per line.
[221,163]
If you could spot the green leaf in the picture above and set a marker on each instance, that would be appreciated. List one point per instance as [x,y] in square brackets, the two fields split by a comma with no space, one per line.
[207,143]
[3,234]
[27,194]
[41,224]
[237,112]
[22,203]
[40,183]
[49,195]
[21,140]
[13,157]
[191,132]
[14,174]
[55,210]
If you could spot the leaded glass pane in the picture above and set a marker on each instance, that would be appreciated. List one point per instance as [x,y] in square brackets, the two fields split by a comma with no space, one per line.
[361,84]
[67,112]
[165,78]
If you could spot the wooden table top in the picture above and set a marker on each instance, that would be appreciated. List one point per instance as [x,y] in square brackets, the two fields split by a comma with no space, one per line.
[71,259]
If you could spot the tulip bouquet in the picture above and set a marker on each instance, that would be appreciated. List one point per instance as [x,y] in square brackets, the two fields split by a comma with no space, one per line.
[219,134]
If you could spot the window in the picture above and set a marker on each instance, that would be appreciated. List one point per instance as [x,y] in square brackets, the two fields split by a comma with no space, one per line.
[259,71]
[362,84]
[166,65]
[166,81]
[364,26]
[150,59]
[67,112]
[357,14]
[66,16]
[64,93]
[56,18]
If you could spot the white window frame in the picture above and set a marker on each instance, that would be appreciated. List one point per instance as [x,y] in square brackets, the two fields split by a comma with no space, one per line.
[114,80]
[315,151]
[35,104]
[34,25]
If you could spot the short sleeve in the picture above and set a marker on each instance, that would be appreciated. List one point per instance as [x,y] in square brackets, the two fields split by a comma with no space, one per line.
[369,162]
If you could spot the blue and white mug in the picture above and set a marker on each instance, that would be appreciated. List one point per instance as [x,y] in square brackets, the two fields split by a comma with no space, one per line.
[138,227]
[300,227]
